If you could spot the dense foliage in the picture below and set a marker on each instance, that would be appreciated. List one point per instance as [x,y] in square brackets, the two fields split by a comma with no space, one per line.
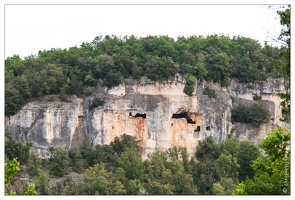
[256,114]
[209,92]
[272,174]
[118,168]
[108,61]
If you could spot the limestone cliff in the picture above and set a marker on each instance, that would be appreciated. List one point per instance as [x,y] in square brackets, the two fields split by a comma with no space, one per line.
[159,114]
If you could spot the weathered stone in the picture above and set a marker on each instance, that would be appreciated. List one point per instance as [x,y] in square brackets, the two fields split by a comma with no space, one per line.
[145,109]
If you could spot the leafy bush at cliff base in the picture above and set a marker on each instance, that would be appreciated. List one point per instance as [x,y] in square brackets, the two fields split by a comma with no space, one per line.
[256,114]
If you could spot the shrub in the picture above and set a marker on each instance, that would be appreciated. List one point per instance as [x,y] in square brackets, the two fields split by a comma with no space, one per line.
[95,103]
[189,85]
[88,91]
[209,92]
[256,97]
[256,114]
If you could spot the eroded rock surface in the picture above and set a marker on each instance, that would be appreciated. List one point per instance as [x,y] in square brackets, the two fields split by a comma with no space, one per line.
[159,114]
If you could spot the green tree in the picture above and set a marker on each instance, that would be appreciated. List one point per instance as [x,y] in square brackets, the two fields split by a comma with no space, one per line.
[59,162]
[130,161]
[230,145]
[155,165]
[11,169]
[75,157]
[272,173]
[34,163]
[71,187]
[119,145]
[224,187]
[256,114]
[283,66]
[207,150]
[228,166]
[99,181]
[42,184]
[246,154]
[15,149]
[189,85]
[182,183]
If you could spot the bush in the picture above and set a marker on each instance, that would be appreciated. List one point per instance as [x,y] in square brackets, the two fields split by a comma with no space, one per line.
[256,97]
[95,103]
[189,85]
[88,91]
[209,92]
[256,114]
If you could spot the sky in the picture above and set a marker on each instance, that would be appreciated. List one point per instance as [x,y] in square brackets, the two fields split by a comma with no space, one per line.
[30,28]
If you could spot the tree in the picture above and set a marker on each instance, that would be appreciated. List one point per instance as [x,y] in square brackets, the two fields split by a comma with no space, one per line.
[228,166]
[207,150]
[130,161]
[119,145]
[224,187]
[155,165]
[42,183]
[11,169]
[231,145]
[71,187]
[189,85]
[59,162]
[75,159]
[181,154]
[34,163]
[246,154]
[256,114]
[272,173]
[100,181]
[283,67]
[15,149]
[181,182]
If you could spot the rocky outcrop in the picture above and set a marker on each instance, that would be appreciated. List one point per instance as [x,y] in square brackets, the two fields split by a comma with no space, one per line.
[158,114]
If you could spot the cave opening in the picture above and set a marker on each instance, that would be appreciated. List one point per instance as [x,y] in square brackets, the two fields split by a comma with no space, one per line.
[140,115]
[198,129]
[208,128]
[183,115]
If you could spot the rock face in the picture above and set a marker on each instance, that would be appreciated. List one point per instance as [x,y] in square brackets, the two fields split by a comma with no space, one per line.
[158,114]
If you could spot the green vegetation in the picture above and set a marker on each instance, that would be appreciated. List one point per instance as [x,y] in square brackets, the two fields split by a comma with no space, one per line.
[209,92]
[256,114]
[220,168]
[11,169]
[189,85]
[272,174]
[256,97]
[108,61]
[95,103]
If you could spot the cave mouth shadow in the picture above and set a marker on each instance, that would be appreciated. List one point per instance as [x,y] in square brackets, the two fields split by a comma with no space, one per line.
[138,115]
[185,115]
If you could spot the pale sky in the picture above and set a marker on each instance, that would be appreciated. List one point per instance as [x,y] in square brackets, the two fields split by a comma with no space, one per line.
[30,28]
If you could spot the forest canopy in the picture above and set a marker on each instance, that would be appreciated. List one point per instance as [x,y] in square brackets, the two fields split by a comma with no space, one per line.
[107,61]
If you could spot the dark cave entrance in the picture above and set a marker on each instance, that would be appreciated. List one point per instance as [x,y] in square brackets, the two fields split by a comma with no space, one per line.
[138,115]
[185,115]
[198,129]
